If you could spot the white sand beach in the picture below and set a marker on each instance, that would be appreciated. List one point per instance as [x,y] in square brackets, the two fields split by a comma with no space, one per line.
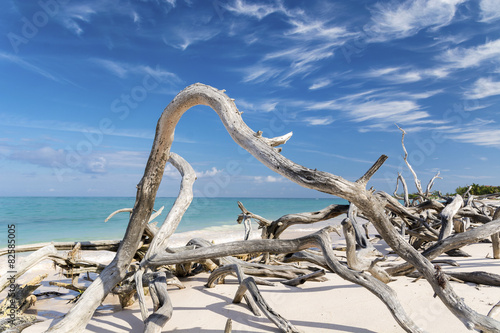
[332,306]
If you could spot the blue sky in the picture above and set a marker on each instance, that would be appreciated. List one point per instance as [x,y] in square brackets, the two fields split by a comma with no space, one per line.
[84,82]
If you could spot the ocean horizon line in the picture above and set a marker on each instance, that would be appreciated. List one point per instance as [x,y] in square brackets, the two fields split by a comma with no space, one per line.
[168,197]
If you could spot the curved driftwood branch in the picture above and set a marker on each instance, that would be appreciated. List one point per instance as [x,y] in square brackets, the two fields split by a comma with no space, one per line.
[161,302]
[179,207]
[405,189]
[418,184]
[431,183]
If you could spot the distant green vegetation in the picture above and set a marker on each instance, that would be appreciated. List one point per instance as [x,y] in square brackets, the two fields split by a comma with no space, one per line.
[478,189]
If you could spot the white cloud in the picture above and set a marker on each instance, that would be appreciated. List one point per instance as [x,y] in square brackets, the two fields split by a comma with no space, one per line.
[395,20]
[490,10]
[29,66]
[183,38]
[269,179]
[380,108]
[321,83]
[208,173]
[74,14]
[123,70]
[319,120]
[253,9]
[471,57]
[401,75]
[260,73]
[483,87]
[480,136]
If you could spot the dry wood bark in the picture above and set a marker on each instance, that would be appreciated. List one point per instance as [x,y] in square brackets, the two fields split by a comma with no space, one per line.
[319,239]
[452,242]
[264,150]
[248,285]
[447,215]
[101,245]
[495,238]
[26,264]
[19,299]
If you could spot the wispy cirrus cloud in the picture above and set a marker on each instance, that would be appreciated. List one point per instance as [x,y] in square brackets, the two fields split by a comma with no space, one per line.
[380,109]
[490,10]
[183,38]
[320,83]
[462,57]
[478,132]
[307,43]
[315,121]
[482,88]
[73,15]
[405,74]
[396,20]
[123,70]
[255,9]
[76,127]
[31,67]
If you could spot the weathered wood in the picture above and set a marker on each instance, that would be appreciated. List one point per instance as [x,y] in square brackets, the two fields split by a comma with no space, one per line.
[452,242]
[431,183]
[418,184]
[478,277]
[302,279]
[495,238]
[104,245]
[320,240]
[405,190]
[162,305]
[19,299]
[278,226]
[229,326]
[363,180]
[179,207]
[264,151]
[7,278]
[447,215]
[356,260]
[247,284]
[307,256]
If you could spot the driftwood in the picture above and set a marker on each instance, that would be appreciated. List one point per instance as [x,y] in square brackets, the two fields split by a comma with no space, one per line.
[149,245]
[104,245]
[19,299]
[28,262]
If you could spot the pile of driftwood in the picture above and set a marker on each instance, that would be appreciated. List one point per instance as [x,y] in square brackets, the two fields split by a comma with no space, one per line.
[417,230]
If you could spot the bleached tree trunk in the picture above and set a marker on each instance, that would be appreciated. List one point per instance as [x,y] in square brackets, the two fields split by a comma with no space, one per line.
[447,215]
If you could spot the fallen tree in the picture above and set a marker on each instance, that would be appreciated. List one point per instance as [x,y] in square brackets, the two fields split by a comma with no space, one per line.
[143,256]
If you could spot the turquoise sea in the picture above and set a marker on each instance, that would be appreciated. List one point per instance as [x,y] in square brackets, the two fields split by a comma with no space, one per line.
[45,219]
